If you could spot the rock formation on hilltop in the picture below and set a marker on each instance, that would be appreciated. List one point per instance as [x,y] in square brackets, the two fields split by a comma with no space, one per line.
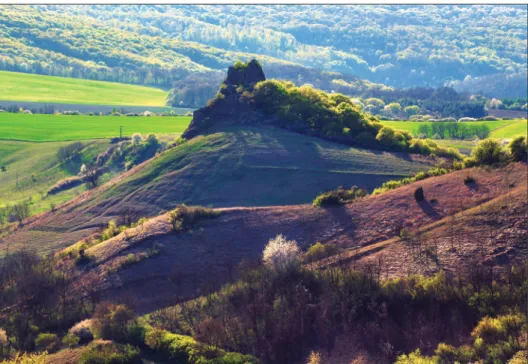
[233,102]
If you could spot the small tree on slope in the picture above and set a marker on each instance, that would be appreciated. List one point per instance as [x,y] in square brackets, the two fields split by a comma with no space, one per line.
[281,254]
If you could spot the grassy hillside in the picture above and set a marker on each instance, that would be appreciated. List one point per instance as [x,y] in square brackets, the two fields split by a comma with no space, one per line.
[240,166]
[242,233]
[17,86]
[78,127]
[511,130]
[232,165]
[36,168]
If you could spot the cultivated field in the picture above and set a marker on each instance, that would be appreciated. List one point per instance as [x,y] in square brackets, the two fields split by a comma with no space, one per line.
[40,127]
[37,88]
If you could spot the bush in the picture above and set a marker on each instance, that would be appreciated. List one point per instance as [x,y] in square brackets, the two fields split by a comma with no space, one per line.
[488,152]
[111,230]
[338,196]
[488,118]
[70,340]
[319,251]
[69,151]
[112,321]
[136,138]
[519,149]
[28,358]
[47,342]
[183,217]
[419,194]
[110,353]
[83,330]
[281,254]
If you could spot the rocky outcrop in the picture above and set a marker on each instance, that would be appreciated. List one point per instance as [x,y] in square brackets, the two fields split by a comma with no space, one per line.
[234,103]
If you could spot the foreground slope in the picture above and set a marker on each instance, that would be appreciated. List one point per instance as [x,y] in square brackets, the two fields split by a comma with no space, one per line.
[254,166]
[189,262]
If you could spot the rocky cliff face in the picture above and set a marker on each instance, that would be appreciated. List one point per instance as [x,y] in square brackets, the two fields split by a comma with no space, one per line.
[233,104]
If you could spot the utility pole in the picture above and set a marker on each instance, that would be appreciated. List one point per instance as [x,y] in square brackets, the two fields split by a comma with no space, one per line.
[121,132]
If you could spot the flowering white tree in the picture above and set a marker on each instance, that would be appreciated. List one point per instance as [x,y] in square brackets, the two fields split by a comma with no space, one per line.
[281,254]
[83,170]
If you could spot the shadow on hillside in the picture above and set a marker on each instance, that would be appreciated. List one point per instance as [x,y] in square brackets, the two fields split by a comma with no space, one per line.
[428,209]
[343,222]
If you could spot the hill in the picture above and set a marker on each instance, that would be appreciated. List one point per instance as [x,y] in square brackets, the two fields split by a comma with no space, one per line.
[232,154]
[250,166]
[42,128]
[21,87]
[207,255]
[160,44]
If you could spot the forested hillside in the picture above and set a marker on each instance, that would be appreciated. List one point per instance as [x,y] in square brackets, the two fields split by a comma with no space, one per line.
[399,46]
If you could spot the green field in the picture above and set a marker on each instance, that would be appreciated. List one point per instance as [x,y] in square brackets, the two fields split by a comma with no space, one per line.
[37,88]
[515,128]
[32,168]
[499,129]
[40,127]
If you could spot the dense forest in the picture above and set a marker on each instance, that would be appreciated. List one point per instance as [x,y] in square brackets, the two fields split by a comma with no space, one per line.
[479,49]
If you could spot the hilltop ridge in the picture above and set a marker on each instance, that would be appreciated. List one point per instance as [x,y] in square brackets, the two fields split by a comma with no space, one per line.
[231,103]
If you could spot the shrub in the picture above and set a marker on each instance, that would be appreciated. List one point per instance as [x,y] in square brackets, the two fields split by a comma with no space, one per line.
[319,251]
[111,230]
[338,196]
[70,340]
[488,152]
[173,347]
[69,151]
[519,149]
[183,217]
[20,211]
[281,254]
[110,353]
[136,138]
[28,358]
[47,342]
[497,339]
[419,194]
[112,321]
[415,358]
[466,119]
[489,118]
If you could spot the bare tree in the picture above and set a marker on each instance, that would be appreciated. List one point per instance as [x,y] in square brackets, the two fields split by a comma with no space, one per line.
[91,175]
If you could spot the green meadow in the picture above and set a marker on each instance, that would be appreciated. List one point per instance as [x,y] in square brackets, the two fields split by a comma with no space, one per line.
[42,127]
[32,168]
[499,129]
[50,89]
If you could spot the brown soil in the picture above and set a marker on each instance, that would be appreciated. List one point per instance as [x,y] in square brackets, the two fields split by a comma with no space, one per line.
[197,261]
